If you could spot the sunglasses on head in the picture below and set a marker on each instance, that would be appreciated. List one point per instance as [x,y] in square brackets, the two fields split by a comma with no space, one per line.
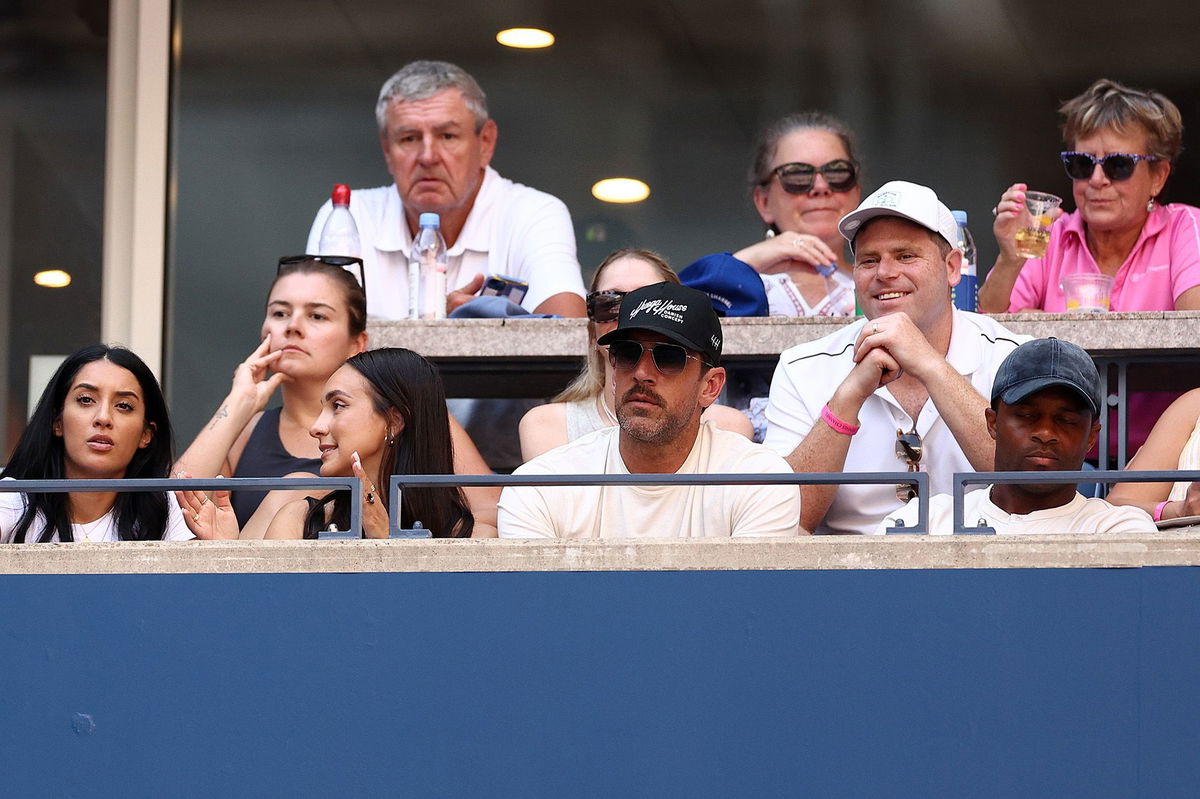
[604,306]
[908,449]
[344,261]
[1116,166]
[799,178]
[670,359]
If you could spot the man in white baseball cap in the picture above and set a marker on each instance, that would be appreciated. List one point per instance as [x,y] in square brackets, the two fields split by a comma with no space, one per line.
[903,389]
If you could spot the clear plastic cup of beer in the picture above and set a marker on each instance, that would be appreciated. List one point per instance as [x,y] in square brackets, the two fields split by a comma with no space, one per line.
[1034,235]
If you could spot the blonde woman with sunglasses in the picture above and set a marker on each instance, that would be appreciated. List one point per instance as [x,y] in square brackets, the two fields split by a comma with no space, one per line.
[586,405]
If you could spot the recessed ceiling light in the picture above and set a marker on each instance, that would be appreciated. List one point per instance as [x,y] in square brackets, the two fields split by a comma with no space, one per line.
[52,278]
[525,38]
[620,190]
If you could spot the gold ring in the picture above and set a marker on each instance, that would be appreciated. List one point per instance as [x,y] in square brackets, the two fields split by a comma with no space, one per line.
[196,518]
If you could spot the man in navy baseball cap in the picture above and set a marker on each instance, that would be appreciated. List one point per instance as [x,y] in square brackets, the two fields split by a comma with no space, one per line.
[1045,416]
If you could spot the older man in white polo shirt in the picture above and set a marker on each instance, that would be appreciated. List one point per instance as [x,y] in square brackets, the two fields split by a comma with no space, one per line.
[438,142]
[903,389]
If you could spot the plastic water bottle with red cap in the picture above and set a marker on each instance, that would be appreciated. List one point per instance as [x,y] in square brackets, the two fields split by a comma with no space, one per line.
[340,234]
[427,271]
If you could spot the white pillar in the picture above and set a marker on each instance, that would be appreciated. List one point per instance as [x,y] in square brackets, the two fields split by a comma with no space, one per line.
[135,177]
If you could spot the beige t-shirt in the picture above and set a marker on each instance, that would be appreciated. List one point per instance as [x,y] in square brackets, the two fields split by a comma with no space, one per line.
[1080,515]
[652,511]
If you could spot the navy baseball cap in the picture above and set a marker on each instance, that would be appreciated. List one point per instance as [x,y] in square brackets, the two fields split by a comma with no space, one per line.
[683,315]
[733,286]
[1046,362]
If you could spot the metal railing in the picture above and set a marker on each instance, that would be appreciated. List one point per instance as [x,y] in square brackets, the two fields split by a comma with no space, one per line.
[963,479]
[918,479]
[203,484]
[400,482]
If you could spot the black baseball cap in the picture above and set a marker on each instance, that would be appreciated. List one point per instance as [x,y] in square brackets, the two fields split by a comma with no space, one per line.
[1046,362]
[683,315]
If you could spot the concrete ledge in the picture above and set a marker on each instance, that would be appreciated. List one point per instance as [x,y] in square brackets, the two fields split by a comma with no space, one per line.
[820,552]
[1115,333]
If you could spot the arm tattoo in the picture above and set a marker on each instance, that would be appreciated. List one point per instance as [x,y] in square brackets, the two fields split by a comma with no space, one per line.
[221,414]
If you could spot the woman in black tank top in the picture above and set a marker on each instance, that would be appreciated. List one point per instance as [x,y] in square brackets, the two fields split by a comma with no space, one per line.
[316,317]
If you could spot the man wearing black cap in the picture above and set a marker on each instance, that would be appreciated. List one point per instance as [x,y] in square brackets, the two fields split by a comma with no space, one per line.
[1045,416]
[665,353]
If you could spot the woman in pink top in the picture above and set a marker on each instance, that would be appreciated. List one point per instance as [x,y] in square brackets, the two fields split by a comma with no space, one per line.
[1122,145]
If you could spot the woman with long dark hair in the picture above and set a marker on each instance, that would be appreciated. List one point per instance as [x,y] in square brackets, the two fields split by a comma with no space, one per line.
[102,416]
[382,413]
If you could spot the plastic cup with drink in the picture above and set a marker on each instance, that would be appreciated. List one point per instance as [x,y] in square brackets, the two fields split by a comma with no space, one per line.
[1033,237]
[1087,293]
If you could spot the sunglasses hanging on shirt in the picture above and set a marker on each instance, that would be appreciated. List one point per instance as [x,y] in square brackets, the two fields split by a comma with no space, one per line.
[908,449]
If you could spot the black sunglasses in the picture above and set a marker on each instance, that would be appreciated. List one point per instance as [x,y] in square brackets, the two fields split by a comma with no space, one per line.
[799,178]
[670,359]
[1116,166]
[908,449]
[344,261]
[604,306]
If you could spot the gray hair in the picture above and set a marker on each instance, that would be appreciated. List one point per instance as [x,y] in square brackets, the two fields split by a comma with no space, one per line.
[768,140]
[423,79]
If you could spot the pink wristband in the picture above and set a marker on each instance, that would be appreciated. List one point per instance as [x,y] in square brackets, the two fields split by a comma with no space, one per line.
[836,424]
[1158,510]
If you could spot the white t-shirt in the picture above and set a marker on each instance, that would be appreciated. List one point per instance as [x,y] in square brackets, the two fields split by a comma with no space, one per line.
[12,506]
[807,376]
[1080,515]
[652,511]
[512,230]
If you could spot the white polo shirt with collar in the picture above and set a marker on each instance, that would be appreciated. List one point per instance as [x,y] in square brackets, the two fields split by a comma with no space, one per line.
[806,378]
[512,230]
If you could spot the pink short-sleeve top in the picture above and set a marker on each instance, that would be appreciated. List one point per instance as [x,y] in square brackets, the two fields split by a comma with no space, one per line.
[1163,264]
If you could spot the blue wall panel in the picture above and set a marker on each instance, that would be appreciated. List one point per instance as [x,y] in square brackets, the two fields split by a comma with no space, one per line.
[905,683]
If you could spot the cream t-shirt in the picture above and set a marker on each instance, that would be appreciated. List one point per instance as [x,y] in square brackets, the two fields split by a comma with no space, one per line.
[1080,515]
[652,511]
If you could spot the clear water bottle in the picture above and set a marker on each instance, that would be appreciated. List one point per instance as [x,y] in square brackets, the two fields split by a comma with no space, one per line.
[966,293]
[427,271]
[340,234]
